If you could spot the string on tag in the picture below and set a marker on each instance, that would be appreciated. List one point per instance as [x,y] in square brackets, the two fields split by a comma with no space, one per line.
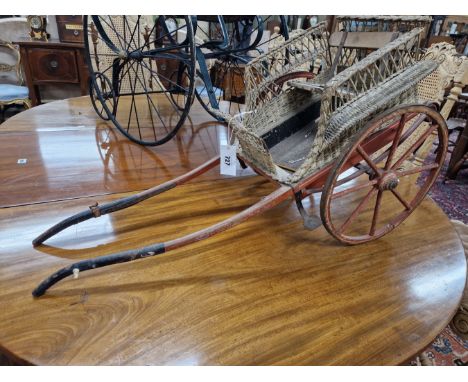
[230,131]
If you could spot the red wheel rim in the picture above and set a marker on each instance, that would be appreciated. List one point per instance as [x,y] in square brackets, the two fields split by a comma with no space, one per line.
[360,205]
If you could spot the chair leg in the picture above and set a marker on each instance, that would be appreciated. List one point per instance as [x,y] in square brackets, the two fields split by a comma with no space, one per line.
[458,154]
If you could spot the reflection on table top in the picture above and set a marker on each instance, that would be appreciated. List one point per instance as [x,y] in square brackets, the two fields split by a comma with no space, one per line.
[65,141]
[265,292]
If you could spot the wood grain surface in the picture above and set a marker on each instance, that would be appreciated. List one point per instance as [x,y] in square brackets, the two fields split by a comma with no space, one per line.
[265,292]
[65,141]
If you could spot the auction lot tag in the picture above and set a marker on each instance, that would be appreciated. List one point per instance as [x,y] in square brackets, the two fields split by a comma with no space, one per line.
[228,159]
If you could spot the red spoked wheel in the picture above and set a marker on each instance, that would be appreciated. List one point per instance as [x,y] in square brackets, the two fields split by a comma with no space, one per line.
[372,188]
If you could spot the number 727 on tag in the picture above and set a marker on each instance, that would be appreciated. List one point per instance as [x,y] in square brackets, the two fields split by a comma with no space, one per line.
[227,157]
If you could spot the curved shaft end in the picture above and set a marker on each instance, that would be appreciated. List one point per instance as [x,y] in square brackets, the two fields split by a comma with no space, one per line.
[98,262]
[72,220]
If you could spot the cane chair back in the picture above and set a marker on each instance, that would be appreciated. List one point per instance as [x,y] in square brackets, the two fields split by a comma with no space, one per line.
[102,56]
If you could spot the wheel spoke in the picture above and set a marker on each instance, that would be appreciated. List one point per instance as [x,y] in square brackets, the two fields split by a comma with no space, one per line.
[133,99]
[414,146]
[350,177]
[367,158]
[176,108]
[159,75]
[396,139]
[353,189]
[174,32]
[120,38]
[401,200]
[154,106]
[376,213]
[132,36]
[357,210]
[417,170]
[147,100]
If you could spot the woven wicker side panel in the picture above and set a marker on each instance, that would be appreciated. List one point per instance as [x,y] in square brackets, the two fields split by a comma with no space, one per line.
[348,119]
[279,109]
[253,149]
[277,41]
[368,73]
[321,156]
[300,52]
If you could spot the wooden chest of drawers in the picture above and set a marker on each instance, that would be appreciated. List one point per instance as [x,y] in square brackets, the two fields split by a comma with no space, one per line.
[70,28]
[50,62]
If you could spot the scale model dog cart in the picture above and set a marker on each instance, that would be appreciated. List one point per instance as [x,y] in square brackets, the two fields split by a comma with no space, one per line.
[350,136]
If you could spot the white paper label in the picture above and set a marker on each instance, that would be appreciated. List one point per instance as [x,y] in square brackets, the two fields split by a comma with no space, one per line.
[228,158]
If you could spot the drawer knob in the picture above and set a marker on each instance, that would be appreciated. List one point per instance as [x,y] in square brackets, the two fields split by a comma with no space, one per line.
[54,64]
[76,32]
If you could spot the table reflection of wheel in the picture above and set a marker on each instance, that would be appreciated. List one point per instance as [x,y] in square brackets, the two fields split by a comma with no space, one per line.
[101,92]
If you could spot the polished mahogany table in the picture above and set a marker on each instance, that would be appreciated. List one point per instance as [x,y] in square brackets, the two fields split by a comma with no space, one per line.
[265,292]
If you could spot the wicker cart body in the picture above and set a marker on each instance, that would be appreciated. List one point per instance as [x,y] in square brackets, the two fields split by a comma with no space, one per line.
[324,112]
[349,133]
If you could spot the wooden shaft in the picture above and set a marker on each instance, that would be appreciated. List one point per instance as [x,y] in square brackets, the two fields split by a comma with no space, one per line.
[266,203]
[120,204]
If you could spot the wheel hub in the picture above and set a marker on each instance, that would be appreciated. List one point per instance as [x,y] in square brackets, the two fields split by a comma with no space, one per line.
[388,181]
[136,55]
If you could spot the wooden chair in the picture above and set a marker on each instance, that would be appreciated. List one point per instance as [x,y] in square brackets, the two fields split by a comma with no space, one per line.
[460,151]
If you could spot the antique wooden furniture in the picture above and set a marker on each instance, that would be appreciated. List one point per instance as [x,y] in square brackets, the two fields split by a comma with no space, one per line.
[457,28]
[52,62]
[70,28]
[11,93]
[342,135]
[143,56]
[265,292]
[459,155]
